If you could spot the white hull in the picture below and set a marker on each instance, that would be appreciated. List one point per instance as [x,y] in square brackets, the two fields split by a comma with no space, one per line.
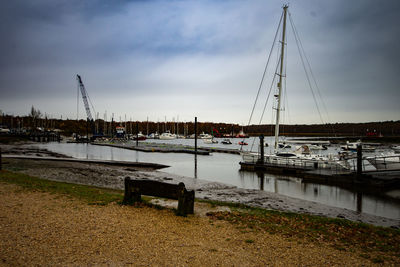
[167,136]
[385,163]
[209,141]
[301,161]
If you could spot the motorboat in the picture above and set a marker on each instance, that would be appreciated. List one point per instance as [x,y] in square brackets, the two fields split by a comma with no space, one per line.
[284,145]
[154,136]
[210,141]
[385,162]
[226,142]
[140,137]
[314,147]
[205,136]
[242,143]
[167,136]
[396,149]
[353,146]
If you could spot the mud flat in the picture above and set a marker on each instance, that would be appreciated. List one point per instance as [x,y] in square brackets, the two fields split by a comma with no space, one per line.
[168,148]
[111,176]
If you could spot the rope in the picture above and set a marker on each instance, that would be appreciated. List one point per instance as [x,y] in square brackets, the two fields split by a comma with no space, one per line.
[313,77]
[266,102]
[263,76]
[304,66]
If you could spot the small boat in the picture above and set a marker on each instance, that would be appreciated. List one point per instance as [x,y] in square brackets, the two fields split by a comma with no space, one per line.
[241,134]
[210,141]
[242,143]
[154,136]
[353,146]
[396,149]
[385,162]
[205,136]
[139,137]
[314,147]
[284,145]
[167,136]
[226,142]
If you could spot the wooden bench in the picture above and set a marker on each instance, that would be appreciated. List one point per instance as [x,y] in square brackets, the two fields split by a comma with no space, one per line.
[135,188]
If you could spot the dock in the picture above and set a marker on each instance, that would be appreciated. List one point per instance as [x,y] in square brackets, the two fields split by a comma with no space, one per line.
[377,180]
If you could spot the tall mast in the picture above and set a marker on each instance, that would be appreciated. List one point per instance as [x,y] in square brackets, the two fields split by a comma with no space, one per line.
[278,109]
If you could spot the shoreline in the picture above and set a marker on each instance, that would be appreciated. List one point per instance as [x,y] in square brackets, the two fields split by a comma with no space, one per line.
[112,177]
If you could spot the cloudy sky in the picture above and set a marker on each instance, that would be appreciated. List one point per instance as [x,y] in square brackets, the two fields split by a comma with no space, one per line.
[183,59]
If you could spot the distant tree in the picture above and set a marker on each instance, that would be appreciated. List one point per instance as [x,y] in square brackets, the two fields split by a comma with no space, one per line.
[35,115]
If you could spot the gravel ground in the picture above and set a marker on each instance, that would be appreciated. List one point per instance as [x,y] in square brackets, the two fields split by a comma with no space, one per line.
[41,229]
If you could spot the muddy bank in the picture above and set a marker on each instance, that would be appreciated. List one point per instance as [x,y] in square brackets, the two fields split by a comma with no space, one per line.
[113,176]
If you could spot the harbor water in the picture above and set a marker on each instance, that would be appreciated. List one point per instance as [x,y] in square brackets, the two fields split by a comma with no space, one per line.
[224,168]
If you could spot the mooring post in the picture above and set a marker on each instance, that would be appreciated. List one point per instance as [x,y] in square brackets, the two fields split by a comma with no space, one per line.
[137,133]
[359,160]
[87,130]
[0,159]
[261,159]
[195,135]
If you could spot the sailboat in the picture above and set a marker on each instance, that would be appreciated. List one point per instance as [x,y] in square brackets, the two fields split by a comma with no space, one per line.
[301,158]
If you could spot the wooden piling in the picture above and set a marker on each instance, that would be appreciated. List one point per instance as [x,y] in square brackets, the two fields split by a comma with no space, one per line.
[195,135]
[261,159]
[137,133]
[0,160]
[359,160]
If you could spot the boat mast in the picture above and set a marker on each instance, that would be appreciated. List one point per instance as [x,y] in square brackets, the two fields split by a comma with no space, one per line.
[278,109]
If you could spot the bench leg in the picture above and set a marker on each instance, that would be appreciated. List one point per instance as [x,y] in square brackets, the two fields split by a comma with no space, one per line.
[189,205]
[136,196]
[128,191]
[181,201]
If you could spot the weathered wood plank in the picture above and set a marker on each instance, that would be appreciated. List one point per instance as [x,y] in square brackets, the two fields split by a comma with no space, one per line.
[135,188]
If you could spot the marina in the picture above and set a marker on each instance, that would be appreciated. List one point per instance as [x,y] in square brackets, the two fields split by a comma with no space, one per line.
[224,168]
[200,133]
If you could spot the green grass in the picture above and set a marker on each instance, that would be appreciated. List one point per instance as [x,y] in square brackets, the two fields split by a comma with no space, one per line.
[92,195]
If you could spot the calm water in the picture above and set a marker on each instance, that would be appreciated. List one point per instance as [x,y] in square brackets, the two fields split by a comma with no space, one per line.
[224,168]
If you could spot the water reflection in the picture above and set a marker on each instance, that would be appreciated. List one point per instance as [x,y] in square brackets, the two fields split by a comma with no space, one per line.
[359,202]
[195,166]
[224,168]
[261,178]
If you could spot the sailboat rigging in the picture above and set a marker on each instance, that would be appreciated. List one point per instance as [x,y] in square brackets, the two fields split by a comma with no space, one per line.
[301,157]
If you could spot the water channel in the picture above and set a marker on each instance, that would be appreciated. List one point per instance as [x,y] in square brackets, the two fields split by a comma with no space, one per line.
[224,168]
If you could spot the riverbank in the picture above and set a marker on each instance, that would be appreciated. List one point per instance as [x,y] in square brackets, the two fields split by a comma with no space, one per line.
[112,177]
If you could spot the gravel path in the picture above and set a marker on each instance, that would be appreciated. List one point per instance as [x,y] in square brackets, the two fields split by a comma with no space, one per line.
[41,229]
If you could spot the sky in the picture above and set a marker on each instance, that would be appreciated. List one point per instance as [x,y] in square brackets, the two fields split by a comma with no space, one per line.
[177,59]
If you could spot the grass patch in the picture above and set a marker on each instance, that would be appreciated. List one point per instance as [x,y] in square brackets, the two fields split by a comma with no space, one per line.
[339,233]
[92,195]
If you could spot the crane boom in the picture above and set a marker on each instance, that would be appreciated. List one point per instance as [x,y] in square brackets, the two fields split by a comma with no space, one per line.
[84,97]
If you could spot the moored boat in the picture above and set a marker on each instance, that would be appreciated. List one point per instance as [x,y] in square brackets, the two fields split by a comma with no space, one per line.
[301,158]
[226,142]
[167,136]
